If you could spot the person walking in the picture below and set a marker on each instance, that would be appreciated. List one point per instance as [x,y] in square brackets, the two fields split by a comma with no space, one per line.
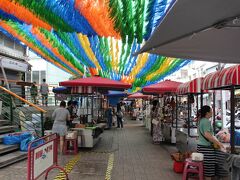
[109,117]
[60,115]
[70,109]
[34,92]
[210,147]
[119,116]
[44,92]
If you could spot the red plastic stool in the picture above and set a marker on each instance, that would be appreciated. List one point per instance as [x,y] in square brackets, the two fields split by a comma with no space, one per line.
[67,144]
[194,167]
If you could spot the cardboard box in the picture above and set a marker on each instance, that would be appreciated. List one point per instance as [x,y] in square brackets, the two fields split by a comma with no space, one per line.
[71,135]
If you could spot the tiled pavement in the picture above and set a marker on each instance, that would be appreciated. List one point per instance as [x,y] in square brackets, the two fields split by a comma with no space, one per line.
[135,158]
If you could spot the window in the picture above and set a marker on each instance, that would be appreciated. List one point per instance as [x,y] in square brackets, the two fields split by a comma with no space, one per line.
[184,73]
[19,48]
[35,77]
[28,76]
[43,75]
[1,38]
[8,42]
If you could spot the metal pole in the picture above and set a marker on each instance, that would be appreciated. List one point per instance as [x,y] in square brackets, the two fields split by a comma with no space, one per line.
[11,111]
[197,103]
[189,111]
[176,112]
[92,105]
[172,114]
[214,113]
[201,98]
[42,124]
[232,99]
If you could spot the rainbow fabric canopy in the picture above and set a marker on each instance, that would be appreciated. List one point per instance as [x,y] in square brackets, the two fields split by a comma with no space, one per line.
[92,36]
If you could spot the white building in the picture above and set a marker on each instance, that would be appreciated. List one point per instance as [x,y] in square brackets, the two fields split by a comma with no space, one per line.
[196,69]
[42,69]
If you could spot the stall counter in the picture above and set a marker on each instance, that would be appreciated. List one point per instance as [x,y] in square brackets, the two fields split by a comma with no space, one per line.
[88,136]
[185,143]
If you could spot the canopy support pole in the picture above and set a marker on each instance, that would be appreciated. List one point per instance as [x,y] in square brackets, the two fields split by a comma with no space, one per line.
[176,111]
[197,103]
[214,113]
[189,111]
[232,99]
[201,98]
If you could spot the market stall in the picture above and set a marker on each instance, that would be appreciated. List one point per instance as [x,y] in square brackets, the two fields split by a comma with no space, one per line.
[165,108]
[186,121]
[140,113]
[91,105]
[227,79]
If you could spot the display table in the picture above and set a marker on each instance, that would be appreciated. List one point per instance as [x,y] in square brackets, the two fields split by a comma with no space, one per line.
[185,143]
[148,123]
[88,136]
[169,132]
[166,129]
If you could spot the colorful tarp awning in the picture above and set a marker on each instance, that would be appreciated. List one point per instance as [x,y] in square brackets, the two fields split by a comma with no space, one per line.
[92,37]
[96,82]
[138,96]
[166,86]
[193,86]
[223,78]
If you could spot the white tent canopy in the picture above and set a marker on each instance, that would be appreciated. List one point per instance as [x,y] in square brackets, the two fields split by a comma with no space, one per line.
[201,30]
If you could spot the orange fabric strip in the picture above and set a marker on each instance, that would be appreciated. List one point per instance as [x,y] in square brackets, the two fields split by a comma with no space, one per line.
[10,30]
[22,13]
[98,15]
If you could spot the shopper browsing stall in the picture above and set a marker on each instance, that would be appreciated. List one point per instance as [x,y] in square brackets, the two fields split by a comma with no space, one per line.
[60,115]
[109,117]
[210,147]
[119,116]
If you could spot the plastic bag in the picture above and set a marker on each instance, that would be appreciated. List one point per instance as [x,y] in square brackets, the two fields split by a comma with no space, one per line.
[15,138]
[25,143]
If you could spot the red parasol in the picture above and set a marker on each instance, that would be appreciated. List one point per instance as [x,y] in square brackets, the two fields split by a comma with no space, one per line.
[166,86]
[138,96]
[95,81]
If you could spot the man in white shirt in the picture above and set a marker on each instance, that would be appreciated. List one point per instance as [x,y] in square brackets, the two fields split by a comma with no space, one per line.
[44,92]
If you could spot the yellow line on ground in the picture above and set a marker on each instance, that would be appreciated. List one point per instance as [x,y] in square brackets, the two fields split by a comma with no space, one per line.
[68,168]
[109,167]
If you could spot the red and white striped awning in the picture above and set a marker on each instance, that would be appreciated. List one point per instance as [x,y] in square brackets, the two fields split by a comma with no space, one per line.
[210,81]
[82,90]
[229,76]
[193,86]
[225,77]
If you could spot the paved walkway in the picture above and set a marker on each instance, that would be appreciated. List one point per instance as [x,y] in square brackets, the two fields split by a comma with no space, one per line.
[122,154]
